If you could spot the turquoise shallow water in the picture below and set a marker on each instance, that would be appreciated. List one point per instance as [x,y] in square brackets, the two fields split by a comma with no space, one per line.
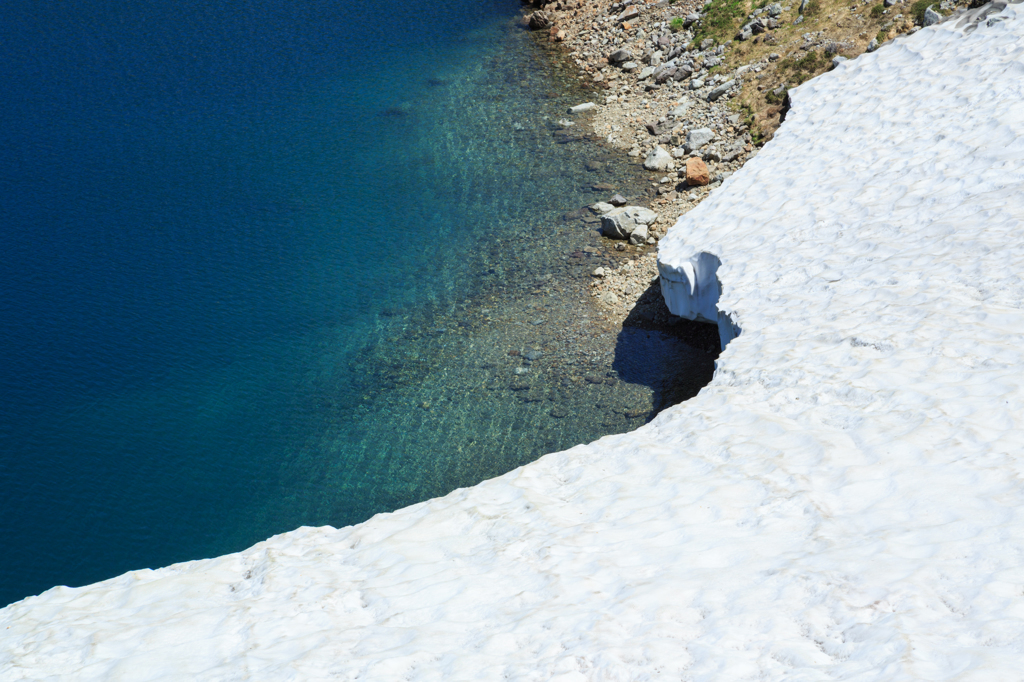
[270,265]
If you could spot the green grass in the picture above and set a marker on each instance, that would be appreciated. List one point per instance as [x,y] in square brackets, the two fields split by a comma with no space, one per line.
[877,11]
[804,68]
[676,24]
[772,98]
[721,20]
[813,8]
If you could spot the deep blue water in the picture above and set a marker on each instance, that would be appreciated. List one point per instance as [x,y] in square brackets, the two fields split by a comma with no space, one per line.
[233,237]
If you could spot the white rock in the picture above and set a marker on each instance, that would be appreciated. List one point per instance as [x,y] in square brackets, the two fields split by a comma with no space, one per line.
[658,160]
[582,108]
[697,138]
[619,223]
[598,272]
[601,207]
[638,235]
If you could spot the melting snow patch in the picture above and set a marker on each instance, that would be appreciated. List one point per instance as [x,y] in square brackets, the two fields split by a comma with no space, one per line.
[844,501]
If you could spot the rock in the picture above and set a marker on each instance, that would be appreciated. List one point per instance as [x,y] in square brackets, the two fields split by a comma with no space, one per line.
[707,43]
[678,153]
[647,72]
[639,235]
[774,57]
[581,108]
[538,21]
[682,73]
[837,60]
[803,6]
[620,56]
[532,355]
[690,19]
[598,272]
[721,90]
[658,160]
[619,223]
[664,74]
[696,173]
[620,247]
[873,45]
[713,155]
[680,110]
[608,298]
[745,33]
[889,3]
[630,67]
[603,187]
[617,200]
[559,412]
[593,166]
[697,138]
[931,17]
[601,207]
[658,128]
[774,9]
[631,12]
[697,84]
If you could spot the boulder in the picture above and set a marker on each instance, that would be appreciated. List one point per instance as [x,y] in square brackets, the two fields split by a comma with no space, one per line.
[682,73]
[619,223]
[658,160]
[721,90]
[602,207]
[617,200]
[696,173]
[647,72]
[697,138]
[658,128]
[690,19]
[774,9]
[620,56]
[639,235]
[539,21]
[931,17]
[631,12]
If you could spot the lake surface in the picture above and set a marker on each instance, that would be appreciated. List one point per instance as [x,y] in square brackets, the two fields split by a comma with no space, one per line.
[268,264]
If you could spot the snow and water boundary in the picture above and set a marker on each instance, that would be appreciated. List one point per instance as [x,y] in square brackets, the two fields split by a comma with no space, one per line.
[843,501]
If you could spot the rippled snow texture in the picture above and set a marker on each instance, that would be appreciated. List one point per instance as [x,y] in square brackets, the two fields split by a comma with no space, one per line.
[844,501]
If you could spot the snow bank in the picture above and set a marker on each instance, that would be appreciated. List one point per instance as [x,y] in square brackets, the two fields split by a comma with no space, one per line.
[844,501]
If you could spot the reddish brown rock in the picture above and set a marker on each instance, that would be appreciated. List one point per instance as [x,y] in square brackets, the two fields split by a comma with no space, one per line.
[697,172]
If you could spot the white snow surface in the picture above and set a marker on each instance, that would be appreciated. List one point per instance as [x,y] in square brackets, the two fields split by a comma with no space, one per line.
[845,500]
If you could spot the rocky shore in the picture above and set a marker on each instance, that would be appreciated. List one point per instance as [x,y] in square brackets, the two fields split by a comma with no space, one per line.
[690,91]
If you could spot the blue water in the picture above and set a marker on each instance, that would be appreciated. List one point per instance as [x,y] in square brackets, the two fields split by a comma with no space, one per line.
[237,241]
